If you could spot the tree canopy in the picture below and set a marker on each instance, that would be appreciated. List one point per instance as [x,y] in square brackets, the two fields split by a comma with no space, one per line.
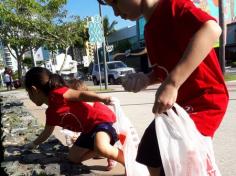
[28,24]
[108,27]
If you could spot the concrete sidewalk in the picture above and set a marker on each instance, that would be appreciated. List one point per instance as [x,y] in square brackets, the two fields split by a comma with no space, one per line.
[138,107]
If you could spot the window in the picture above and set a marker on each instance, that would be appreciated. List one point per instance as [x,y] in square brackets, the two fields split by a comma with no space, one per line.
[116,65]
[101,68]
[96,68]
[7,54]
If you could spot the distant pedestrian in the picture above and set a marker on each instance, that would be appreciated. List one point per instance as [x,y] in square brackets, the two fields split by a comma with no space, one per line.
[179,38]
[69,109]
[7,79]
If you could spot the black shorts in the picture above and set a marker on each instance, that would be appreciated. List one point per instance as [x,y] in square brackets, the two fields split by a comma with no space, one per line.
[86,140]
[8,84]
[148,150]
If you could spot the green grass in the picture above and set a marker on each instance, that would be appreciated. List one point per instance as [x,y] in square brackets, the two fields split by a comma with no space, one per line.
[230,77]
[95,89]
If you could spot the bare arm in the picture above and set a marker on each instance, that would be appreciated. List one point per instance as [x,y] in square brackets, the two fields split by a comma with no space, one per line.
[44,135]
[197,49]
[87,96]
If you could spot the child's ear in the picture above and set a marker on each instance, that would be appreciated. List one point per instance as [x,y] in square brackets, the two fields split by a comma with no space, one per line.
[34,89]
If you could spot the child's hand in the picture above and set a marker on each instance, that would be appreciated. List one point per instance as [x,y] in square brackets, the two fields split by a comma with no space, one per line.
[107,100]
[30,146]
[135,82]
[166,96]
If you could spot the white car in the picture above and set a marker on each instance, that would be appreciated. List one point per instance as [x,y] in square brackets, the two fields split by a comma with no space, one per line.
[115,71]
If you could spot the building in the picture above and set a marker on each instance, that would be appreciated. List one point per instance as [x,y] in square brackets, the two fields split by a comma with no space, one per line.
[230,50]
[128,44]
[211,7]
[90,51]
[140,31]
[127,34]
[8,60]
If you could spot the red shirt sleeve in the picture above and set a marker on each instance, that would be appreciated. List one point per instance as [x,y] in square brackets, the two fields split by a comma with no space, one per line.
[161,72]
[187,20]
[187,14]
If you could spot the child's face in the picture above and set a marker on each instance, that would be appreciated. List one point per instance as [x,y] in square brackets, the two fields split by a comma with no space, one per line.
[36,96]
[126,9]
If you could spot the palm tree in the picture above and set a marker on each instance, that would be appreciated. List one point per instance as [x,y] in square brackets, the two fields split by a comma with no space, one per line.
[108,28]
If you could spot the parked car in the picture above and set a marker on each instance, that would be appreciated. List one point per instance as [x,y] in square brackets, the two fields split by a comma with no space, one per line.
[116,70]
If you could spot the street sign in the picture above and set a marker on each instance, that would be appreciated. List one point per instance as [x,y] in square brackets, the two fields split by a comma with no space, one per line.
[96,30]
[109,48]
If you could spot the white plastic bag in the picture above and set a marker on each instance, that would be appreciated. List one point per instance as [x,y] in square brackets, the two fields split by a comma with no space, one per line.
[184,151]
[70,136]
[129,142]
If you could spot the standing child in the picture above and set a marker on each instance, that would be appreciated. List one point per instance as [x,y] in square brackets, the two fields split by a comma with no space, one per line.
[68,108]
[7,77]
[179,39]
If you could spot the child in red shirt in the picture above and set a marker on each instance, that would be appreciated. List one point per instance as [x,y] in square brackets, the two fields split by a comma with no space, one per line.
[80,85]
[179,39]
[68,108]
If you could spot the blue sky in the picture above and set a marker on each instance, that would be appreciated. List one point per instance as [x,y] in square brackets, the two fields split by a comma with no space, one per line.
[85,8]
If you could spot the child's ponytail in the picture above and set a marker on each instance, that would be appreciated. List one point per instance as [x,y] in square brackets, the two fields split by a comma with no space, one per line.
[55,81]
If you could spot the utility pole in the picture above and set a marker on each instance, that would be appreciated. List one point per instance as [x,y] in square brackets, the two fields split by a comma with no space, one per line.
[104,50]
[222,37]
[32,55]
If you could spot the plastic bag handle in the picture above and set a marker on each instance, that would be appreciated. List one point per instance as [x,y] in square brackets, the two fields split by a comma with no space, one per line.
[176,120]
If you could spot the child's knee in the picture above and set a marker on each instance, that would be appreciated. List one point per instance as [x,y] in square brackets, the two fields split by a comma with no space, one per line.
[102,148]
[102,143]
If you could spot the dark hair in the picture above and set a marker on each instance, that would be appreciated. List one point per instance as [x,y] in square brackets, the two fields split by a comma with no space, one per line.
[102,2]
[43,79]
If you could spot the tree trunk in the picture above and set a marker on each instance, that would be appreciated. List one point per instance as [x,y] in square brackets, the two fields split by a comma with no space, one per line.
[19,66]
[64,61]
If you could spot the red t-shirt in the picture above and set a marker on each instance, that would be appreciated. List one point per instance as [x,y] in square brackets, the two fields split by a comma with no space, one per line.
[167,34]
[77,116]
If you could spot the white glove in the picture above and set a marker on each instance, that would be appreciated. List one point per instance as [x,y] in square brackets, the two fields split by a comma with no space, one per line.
[30,146]
[135,82]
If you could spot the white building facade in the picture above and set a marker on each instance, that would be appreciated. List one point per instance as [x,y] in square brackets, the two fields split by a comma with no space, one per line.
[8,60]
